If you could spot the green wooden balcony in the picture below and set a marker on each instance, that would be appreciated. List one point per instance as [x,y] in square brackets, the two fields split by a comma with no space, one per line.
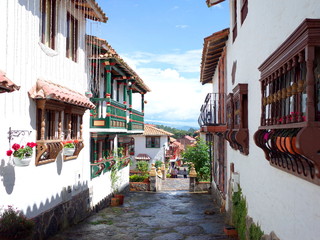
[136,120]
[108,114]
[113,115]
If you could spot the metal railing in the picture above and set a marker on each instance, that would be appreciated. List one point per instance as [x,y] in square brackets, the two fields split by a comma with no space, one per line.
[212,112]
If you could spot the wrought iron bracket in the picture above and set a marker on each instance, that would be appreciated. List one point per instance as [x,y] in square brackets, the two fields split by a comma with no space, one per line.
[16,133]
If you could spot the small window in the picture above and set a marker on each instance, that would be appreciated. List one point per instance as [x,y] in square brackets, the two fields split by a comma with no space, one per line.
[72,37]
[56,122]
[48,23]
[234,29]
[153,142]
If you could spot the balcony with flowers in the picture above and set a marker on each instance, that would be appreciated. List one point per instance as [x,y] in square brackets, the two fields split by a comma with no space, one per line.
[290,109]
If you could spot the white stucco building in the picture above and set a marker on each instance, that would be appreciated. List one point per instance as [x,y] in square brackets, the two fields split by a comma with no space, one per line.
[265,124]
[153,143]
[45,73]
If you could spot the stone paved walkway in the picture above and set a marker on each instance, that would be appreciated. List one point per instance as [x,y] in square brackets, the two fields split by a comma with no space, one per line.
[177,215]
[171,184]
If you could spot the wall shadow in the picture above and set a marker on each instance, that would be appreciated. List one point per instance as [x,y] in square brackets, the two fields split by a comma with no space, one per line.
[8,176]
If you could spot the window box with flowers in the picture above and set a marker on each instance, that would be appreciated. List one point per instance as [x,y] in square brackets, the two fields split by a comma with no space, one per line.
[290,104]
[22,155]
[68,148]
[72,148]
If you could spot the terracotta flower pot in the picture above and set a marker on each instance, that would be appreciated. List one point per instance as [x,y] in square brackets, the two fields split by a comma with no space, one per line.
[290,143]
[115,202]
[120,197]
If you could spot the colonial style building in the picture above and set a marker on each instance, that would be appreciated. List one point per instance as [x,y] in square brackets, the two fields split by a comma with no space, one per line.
[48,69]
[263,113]
[114,119]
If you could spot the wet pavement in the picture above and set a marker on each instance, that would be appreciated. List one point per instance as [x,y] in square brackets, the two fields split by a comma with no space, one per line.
[165,215]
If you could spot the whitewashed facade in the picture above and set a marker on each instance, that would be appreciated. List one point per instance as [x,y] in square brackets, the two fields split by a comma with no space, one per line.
[26,58]
[276,200]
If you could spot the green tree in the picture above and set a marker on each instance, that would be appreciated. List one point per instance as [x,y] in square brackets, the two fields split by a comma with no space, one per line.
[142,166]
[199,156]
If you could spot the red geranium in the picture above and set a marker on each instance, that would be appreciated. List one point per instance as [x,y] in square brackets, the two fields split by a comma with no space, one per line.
[21,151]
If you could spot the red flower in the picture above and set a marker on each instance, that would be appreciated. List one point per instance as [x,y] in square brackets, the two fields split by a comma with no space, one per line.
[31,144]
[15,146]
[9,153]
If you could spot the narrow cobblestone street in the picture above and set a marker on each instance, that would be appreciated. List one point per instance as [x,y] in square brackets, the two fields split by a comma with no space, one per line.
[153,216]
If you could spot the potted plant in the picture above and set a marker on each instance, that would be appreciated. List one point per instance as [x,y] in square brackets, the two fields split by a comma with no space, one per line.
[14,225]
[69,147]
[22,154]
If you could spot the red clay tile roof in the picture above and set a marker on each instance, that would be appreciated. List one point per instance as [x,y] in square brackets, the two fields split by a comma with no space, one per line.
[189,138]
[150,130]
[213,47]
[91,10]
[6,85]
[49,90]
[110,53]
[143,156]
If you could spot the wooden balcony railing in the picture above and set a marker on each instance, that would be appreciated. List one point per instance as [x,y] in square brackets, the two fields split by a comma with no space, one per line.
[108,114]
[290,110]
[47,151]
[136,120]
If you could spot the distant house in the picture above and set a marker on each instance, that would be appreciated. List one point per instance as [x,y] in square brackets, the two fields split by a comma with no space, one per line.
[187,141]
[173,154]
[151,145]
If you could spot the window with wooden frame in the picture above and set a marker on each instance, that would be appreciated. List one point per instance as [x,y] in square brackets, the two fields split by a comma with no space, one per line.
[235,16]
[50,129]
[237,119]
[72,37]
[48,22]
[101,159]
[244,10]
[290,104]
[152,142]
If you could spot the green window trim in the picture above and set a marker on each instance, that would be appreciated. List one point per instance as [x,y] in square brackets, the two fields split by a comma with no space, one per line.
[153,142]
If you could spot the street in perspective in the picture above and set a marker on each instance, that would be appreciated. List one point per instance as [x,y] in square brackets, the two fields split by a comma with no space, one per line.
[160,120]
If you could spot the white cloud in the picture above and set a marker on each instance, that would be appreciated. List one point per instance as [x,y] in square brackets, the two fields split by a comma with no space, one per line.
[173,97]
[174,8]
[182,26]
[218,6]
[187,62]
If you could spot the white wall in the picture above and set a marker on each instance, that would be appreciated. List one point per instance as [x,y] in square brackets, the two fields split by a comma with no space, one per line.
[36,189]
[278,201]
[156,154]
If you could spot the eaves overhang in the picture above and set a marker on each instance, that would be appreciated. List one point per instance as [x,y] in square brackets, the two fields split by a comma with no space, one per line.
[210,3]
[91,10]
[212,49]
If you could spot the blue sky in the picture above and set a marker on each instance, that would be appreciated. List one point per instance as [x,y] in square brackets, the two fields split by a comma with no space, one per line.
[162,41]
